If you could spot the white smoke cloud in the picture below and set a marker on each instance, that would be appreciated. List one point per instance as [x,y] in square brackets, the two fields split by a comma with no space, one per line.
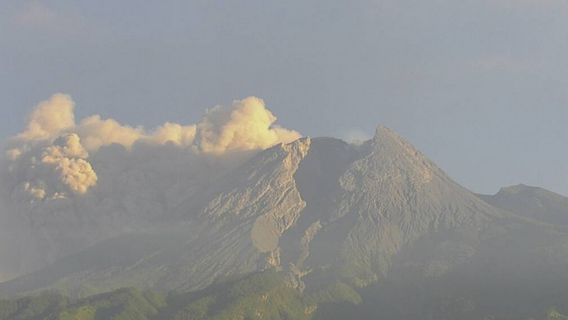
[66,184]
[96,132]
[53,169]
[68,145]
[50,118]
[246,125]
[174,133]
[50,158]
[356,136]
[67,157]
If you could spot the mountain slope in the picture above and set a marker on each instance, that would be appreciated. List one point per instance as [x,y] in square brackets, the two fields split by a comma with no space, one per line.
[532,202]
[234,233]
[266,295]
[323,211]
[387,198]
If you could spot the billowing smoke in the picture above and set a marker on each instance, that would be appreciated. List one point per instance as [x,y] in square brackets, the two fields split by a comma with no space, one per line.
[51,154]
[247,125]
[174,133]
[51,168]
[67,158]
[97,132]
[68,183]
[50,118]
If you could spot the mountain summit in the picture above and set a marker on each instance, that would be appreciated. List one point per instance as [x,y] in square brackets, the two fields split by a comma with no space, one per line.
[320,211]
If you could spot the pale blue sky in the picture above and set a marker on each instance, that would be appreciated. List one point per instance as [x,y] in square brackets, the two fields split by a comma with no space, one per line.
[481,86]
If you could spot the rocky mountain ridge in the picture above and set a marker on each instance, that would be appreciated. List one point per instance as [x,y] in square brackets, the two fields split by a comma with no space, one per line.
[319,210]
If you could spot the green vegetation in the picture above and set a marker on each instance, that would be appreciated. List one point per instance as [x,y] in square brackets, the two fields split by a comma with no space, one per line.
[268,295]
[40,307]
[553,314]
[259,296]
[123,304]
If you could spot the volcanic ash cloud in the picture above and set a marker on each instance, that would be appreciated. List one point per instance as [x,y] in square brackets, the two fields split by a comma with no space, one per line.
[50,158]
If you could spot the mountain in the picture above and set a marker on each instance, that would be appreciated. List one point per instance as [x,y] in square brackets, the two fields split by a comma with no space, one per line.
[365,229]
[259,296]
[267,295]
[531,202]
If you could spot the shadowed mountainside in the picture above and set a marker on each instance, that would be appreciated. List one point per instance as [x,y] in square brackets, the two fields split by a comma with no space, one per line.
[531,202]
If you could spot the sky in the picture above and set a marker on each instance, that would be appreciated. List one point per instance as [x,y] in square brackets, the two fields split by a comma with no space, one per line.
[480,86]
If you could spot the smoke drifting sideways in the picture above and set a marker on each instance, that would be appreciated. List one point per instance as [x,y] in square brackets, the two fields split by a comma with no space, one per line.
[51,158]
[66,184]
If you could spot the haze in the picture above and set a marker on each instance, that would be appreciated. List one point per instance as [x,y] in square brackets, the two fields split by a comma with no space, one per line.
[479,86]
[258,160]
